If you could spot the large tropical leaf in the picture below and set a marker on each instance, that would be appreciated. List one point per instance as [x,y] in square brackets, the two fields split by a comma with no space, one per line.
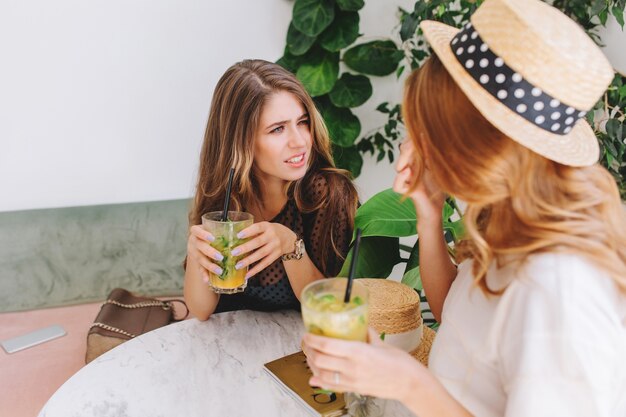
[311,17]
[319,72]
[351,5]
[297,42]
[374,58]
[411,275]
[289,61]
[343,126]
[455,228]
[348,158]
[377,257]
[351,90]
[341,33]
[387,214]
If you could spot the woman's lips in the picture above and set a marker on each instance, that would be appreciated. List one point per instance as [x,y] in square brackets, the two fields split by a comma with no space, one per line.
[296,161]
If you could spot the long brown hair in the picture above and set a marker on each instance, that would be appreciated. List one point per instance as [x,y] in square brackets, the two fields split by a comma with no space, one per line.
[234,117]
[519,203]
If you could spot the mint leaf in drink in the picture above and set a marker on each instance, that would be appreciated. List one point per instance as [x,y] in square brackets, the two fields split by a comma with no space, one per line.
[315,330]
[323,391]
[328,298]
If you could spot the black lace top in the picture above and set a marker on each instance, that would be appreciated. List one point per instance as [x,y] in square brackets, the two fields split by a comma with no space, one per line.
[270,290]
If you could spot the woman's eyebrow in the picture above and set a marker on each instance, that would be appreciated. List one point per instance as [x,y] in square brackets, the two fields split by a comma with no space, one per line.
[282,122]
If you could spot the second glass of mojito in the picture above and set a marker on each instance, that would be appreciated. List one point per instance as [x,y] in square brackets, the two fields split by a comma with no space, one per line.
[325,313]
[231,280]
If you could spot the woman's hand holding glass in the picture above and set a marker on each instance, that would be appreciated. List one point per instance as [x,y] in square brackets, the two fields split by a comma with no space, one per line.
[200,250]
[375,369]
[268,242]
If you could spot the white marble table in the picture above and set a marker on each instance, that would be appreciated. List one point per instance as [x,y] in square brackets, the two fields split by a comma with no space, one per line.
[191,368]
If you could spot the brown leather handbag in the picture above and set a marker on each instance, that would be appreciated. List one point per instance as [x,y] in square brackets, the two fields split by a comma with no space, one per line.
[124,316]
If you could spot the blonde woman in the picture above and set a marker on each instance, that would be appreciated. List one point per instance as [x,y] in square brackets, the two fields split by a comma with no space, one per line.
[264,124]
[533,321]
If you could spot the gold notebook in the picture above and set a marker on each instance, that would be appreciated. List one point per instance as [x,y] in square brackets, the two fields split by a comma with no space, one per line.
[293,374]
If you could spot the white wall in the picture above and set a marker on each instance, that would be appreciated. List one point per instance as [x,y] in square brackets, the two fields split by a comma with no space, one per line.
[106,101]
[379,20]
[614,40]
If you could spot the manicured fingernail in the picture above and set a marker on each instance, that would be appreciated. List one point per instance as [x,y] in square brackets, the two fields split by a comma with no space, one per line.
[217,270]
[210,238]
[247,276]
[241,235]
[235,251]
[239,265]
[218,256]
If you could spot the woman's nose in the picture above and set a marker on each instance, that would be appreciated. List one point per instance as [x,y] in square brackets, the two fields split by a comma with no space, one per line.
[297,138]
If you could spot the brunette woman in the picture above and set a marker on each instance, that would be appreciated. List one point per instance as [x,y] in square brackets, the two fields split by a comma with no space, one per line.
[263,123]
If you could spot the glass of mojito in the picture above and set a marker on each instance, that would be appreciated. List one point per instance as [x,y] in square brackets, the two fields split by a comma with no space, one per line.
[325,313]
[231,280]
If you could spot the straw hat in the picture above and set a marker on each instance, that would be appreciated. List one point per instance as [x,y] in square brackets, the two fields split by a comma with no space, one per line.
[394,308]
[531,72]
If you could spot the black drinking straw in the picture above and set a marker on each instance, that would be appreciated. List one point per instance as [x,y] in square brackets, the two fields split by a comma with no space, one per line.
[355,255]
[227,199]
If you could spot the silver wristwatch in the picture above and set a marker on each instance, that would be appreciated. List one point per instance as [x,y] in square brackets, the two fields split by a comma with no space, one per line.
[298,251]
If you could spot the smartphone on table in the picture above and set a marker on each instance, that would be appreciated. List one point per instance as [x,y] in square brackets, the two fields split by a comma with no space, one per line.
[33,338]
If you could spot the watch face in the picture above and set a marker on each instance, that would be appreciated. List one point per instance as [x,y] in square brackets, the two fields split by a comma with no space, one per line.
[299,246]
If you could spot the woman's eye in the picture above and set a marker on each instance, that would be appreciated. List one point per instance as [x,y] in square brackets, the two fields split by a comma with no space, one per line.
[305,122]
[279,129]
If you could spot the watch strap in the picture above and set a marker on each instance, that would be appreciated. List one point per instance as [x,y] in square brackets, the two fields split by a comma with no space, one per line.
[298,251]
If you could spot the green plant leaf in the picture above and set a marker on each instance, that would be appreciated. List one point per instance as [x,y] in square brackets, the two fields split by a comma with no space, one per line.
[409,27]
[614,129]
[289,62]
[374,58]
[411,275]
[457,228]
[297,42]
[622,92]
[319,71]
[399,71]
[603,16]
[343,126]
[387,214]
[597,7]
[351,90]
[351,5]
[311,17]
[341,33]
[619,15]
[349,159]
[377,257]
[448,211]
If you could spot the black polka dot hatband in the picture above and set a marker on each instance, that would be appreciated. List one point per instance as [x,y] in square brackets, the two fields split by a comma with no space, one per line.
[515,82]
[509,87]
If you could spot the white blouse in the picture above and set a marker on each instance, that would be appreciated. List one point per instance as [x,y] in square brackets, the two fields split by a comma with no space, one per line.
[554,344]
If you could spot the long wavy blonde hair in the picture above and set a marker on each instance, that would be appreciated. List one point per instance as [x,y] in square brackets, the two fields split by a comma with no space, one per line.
[234,117]
[518,202]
